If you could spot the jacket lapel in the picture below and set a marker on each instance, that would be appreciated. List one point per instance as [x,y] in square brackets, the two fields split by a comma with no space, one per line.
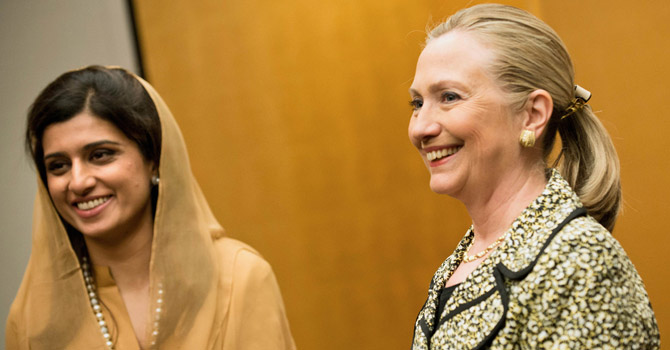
[426,321]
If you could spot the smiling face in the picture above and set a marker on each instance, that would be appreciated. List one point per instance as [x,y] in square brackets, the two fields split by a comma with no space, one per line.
[97,177]
[462,124]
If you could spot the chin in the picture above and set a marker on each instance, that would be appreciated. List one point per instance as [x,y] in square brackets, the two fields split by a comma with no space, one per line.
[93,231]
[441,187]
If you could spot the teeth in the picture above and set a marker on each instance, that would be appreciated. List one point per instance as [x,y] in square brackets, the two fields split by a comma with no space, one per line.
[441,153]
[92,203]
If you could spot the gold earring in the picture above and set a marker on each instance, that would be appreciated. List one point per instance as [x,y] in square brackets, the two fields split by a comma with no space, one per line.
[527,138]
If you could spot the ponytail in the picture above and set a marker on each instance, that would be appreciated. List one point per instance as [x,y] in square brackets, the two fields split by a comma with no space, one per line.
[589,162]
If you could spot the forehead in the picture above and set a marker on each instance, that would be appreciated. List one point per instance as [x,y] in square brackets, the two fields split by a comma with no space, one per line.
[455,56]
[79,130]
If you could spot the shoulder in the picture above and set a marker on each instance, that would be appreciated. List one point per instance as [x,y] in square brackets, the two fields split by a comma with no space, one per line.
[585,262]
[231,246]
[585,251]
[253,304]
[238,260]
[15,329]
[585,275]
[227,248]
[14,320]
[586,243]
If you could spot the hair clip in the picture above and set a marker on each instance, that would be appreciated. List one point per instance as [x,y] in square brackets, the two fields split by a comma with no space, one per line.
[581,97]
[582,93]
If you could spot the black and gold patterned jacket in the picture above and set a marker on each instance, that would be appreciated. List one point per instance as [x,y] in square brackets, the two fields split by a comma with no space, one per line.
[558,281]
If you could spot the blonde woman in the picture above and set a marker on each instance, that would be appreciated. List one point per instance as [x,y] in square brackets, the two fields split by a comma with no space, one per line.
[538,269]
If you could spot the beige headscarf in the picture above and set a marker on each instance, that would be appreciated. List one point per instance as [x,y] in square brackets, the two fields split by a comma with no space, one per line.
[53,300]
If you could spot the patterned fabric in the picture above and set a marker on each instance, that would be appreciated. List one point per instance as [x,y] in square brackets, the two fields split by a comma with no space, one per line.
[558,281]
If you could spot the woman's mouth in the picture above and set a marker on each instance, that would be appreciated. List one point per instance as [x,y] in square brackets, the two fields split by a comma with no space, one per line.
[93,203]
[441,153]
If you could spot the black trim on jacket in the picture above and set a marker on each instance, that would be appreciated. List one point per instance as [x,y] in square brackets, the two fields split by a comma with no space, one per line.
[500,273]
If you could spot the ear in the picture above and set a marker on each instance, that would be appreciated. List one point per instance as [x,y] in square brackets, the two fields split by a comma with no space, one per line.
[539,107]
[154,168]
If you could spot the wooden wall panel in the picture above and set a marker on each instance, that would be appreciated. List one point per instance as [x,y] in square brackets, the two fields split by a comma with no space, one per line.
[295,113]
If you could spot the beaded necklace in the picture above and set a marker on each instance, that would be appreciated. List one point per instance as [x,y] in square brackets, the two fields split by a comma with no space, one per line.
[97,309]
[470,258]
[95,303]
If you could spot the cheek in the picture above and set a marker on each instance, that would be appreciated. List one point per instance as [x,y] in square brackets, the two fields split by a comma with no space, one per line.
[480,123]
[140,180]
[463,127]
[55,187]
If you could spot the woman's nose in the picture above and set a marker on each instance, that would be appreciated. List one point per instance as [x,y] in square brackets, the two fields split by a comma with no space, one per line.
[423,126]
[82,180]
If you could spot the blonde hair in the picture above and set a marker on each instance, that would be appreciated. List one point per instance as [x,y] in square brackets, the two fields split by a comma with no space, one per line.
[531,56]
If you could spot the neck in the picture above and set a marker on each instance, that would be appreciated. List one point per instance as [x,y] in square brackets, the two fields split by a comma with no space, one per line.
[494,209]
[128,258]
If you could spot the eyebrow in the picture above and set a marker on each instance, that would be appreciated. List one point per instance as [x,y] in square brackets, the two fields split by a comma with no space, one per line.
[86,148]
[436,86]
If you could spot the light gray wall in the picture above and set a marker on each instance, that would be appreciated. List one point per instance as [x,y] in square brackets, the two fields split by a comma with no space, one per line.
[39,40]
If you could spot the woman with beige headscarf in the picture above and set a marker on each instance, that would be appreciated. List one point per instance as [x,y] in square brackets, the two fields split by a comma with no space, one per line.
[126,253]
[538,268]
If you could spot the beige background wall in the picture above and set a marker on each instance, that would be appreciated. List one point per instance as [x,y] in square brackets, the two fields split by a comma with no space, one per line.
[295,114]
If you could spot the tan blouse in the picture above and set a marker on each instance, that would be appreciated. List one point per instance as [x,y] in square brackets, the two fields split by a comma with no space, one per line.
[254,300]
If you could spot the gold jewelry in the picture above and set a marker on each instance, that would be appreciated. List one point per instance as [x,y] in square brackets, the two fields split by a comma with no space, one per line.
[527,138]
[581,97]
[575,105]
[470,258]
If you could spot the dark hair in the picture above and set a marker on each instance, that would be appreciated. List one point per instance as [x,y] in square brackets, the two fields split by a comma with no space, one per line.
[111,94]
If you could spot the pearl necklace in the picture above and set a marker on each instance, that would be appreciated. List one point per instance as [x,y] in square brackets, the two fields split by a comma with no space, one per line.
[95,303]
[157,315]
[470,258]
[97,309]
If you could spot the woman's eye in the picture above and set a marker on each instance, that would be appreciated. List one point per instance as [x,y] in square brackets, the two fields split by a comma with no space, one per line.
[416,104]
[450,97]
[101,154]
[57,167]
